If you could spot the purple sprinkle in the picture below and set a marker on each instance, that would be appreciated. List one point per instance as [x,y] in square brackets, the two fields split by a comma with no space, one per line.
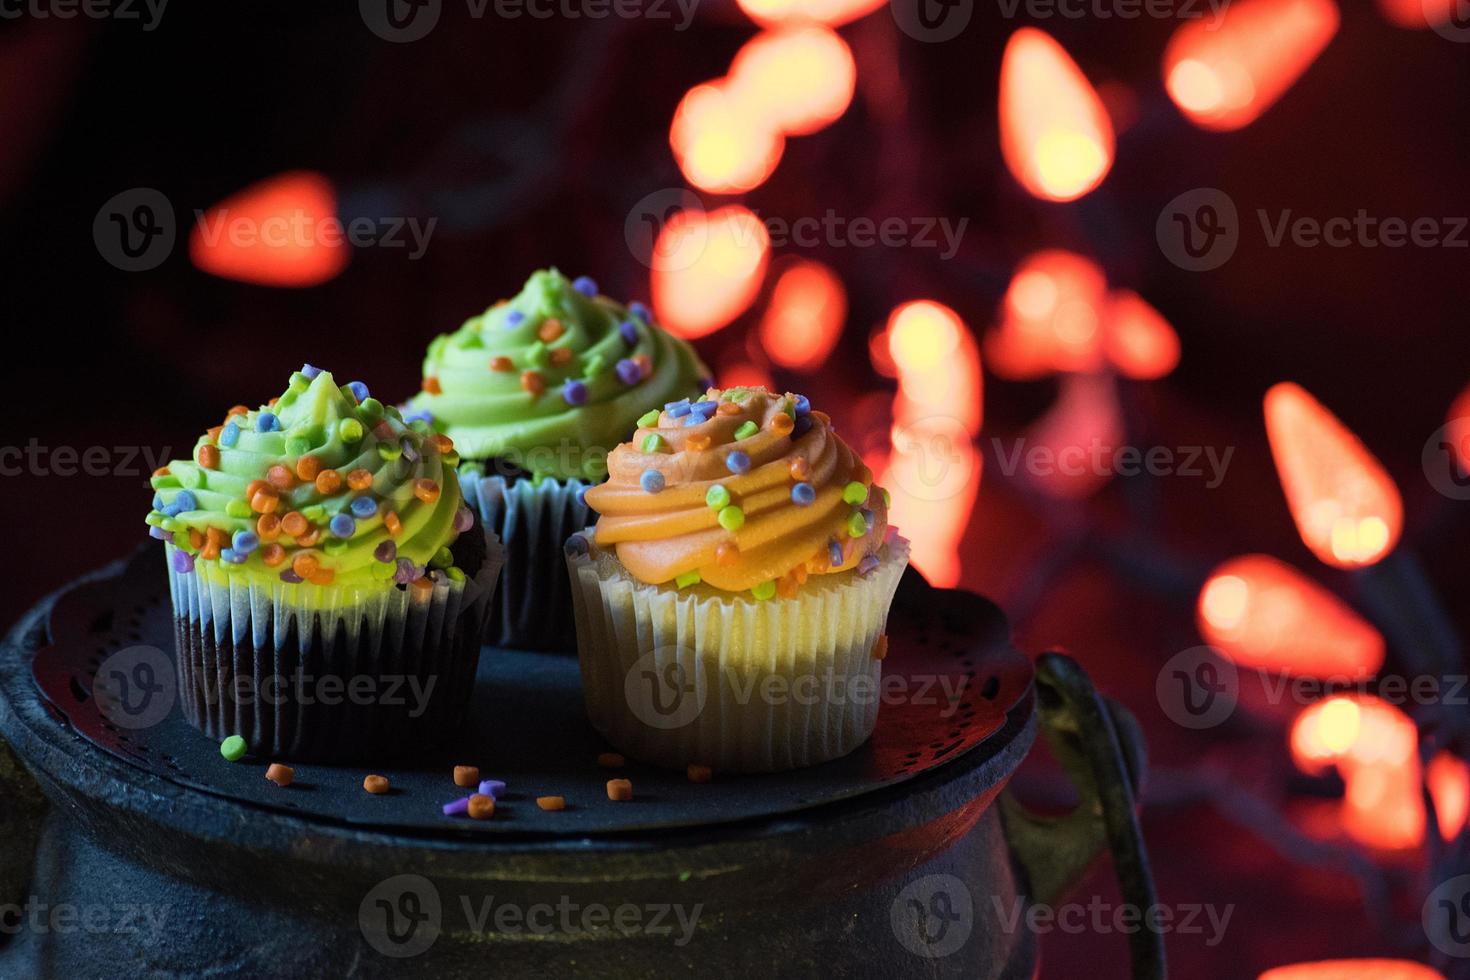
[694,418]
[834,552]
[159,533]
[514,319]
[803,405]
[576,546]
[585,285]
[652,481]
[407,572]
[737,462]
[629,371]
[359,391]
[409,452]
[463,520]
[183,562]
[628,330]
[289,576]
[310,372]
[574,392]
[640,311]
[232,556]
[386,551]
[867,517]
[802,427]
[866,566]
[491,788]
[457,807]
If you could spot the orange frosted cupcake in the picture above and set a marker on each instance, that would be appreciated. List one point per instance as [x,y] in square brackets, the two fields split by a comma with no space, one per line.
[731,601]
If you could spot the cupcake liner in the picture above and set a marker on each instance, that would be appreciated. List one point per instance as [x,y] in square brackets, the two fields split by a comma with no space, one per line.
[355,673]
[533,608]
[673,677]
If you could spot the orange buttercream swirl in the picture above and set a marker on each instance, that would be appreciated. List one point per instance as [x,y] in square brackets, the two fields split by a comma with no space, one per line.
[794,499]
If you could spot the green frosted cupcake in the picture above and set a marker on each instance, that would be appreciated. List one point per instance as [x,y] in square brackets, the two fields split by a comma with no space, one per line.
[536,392]
[321,540]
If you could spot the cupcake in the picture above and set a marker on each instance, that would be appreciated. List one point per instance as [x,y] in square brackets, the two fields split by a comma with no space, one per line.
[330,588]
[731,601]
[535,392]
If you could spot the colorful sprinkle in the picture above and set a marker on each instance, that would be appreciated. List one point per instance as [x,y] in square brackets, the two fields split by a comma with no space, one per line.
[463,520]
[728,408]
[732,518]
[856,526]
[747,429]
[307,467]
[855,493]
[455,808]
[717,496]
[834,552]
[290,577]
[698,442]
[267,422]
[185,502]
[432,386]
[279,774]
[803,406]
[550,330]
[619,790]
[363,507]
[678,409]
[737,462]
[640,311]
[687,579]
[652,481]
[629,372]
[629,332]
[653,443]
[698,773]
[229,435]
[532,382]
[386,551]
[388,452]
[585,285]
[359,391]
[268,526]
[244,542]
[310,372]
[867,564]
[514,319]
[350,430]
[328,482]
[233,748]
[782,424]
[802,427]
[803,494]
[183,562]
[574,393]
[426,490]
[392,523]
[551,803]
[765,590]
[492,788]
[501,363]
[359,479]
[375,784]
[272,555]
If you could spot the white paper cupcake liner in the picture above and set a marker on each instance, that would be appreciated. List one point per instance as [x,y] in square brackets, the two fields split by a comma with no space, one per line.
[533,608]
[274,662]
[676,677]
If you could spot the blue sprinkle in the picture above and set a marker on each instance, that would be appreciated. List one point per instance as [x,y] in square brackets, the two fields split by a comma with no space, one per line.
[629,371]
[803,494]
[514,319]
[803,405]
[678,409]
[159,533]
[424,415]
[707,409]
[245,542]
[267,422]
[158,501]
[229,435]
[574,392]
[585,285]
[232,556]
[640,311]
[694,418]
[737,462]
[834,552]
[652,481]
[359,391]
[342,525]
[184,501]
[183,562]
[169,510]
[311,373]
[867,517]
[629,332]
[492,788]
[363,507]
[802,427]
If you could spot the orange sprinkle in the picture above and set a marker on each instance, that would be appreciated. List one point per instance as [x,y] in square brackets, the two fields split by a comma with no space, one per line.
[728,408]
[819,562]
[268,526]
[799,468]
[305,564]
[550,329]
[279,477]
[213,433]
[423,584]
[279,774]
[376,785]
[620,790]
[328,482]
[307,467]
[466,775]
[237,410]
[272,554]
[441,443]
[254,487]
[786,587]
[196,539]
[426,490]
[481,807]
[697,442]
[560,357]
[310,538]
[392,523]
[781,424]
[501,364]
[359,479]
[295,524]
[383,431]
[880,646]
[161,471]
[273,400]
[322,576]
[728,553]
[264,501]
[431,386]
[214,540]
[209,457]
[800,574]
[699,774]
[611,760]
[645,364]
[533,382]
[551,802]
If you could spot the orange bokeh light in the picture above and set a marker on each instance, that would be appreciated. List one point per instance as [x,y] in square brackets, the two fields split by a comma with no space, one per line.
[1353,970]
[744,374]
[1076,435]
[834,13]
[1137,339]
[1346,508]
[938,365]
[795,80]
[707,268]
[282,231]
[1265,615]
[1449,786]
[1051,318]
[1055,134]
[722,143]
[804,317]
[1223,72]
[1417,13]
[1458,430]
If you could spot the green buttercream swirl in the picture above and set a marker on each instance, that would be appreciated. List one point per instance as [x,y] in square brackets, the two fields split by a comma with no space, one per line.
[491,415]
[311,415]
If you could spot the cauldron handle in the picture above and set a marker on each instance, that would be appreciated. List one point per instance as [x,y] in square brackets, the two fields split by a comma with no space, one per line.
[1100,745]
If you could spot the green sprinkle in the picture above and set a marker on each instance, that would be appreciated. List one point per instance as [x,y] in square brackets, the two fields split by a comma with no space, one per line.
[467,341]
[334,546]
[315,513]
[237,508]
[736,394]
[297,445]
[389,451]
[382,570]
[350,430]
[685,875]
[370,410]
[594,365]
[717,496]
[173,524]
[298,380]
[687,579]
[442,559]
[887,498]
[455,573]
[732,518]
[789,407]
[451,459]
[648,418]
[747,429]
[856,526]
[233,748]
[155,519]
[855,493]
[652,443]
[765,590]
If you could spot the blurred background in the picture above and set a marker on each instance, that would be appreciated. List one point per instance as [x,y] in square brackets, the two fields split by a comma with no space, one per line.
[1000,242]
